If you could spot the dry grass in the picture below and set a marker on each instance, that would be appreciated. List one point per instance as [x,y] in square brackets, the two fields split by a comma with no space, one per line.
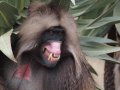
[98,65]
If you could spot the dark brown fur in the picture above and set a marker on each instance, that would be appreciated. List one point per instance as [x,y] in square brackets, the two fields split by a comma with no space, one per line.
[70,74]
[2,87]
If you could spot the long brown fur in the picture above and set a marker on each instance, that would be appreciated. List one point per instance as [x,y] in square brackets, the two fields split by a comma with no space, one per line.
[70,74]
[2,87]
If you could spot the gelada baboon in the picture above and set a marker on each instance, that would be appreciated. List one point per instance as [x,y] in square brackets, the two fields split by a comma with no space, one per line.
[48,53]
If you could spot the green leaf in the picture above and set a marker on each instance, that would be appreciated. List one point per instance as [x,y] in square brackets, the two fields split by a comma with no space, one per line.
[104,21]
[88,6]
[101,24]
[19,4]
[84,22]
[5,45]
[97,32]
[96,39]
[109,8]
[108,58]
[81,8]
[81,4]
[7,15]
[116,13]
[95,49]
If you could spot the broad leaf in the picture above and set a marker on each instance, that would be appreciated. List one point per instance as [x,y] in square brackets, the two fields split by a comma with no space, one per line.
[5,45]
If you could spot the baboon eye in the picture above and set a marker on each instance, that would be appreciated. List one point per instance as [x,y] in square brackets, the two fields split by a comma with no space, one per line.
[51,32]
[60,33]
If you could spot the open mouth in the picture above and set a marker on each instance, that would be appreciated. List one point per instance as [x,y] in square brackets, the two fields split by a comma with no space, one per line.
[52,51]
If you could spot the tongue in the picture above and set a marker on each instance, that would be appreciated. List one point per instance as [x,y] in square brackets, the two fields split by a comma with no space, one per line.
[53,47]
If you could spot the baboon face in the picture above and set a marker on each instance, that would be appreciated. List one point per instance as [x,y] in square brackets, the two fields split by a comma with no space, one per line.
[50,46]
[44,35]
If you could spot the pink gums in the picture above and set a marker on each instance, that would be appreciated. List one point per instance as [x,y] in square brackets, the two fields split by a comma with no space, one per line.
[54,47]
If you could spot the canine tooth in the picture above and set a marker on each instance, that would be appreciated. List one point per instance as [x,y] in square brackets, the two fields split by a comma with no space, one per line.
[50,57]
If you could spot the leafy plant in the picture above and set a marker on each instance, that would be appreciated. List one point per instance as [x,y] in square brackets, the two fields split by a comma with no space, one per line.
[94,19]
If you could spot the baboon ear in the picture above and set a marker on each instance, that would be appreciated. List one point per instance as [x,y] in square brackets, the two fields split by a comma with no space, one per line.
[33,7]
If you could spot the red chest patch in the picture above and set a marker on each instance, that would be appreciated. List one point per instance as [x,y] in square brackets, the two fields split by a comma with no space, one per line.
[24,72]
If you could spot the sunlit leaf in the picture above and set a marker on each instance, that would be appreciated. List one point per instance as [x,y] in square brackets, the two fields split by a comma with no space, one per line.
[5,45]
[73,1]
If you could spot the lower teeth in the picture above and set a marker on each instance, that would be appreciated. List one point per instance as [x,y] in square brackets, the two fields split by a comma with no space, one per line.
[51,57]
